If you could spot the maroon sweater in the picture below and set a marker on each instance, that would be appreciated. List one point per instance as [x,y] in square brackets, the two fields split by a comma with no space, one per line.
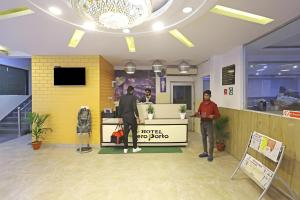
[207,108]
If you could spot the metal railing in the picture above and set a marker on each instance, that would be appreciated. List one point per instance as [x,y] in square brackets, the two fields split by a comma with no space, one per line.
[25,109]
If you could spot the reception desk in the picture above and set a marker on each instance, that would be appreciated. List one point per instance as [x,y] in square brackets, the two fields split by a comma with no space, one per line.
[165,129]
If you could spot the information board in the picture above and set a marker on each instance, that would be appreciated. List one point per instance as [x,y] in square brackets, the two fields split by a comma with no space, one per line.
[269,147]
[257,171]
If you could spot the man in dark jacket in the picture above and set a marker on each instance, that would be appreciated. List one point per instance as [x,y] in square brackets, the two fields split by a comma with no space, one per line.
[129,116]
[148,98]
[208,111]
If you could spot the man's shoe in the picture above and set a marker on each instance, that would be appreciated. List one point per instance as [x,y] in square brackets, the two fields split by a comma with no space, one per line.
[135,150]
[203,155]
[125,150]
[210,158]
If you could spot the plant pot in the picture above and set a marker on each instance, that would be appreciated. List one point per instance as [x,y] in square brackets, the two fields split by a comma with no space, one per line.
[36,145]
[182,115]
[150,116]
[220,146]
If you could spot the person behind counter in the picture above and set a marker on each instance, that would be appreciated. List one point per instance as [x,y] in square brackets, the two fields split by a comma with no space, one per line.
[208,111]
[147,98]
[129,116]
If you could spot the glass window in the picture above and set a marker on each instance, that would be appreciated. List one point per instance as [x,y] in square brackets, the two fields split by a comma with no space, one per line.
[273,87]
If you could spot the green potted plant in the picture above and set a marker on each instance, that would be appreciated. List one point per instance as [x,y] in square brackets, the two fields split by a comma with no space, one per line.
[182,111]
[37,122]
[150,111]
[221,133]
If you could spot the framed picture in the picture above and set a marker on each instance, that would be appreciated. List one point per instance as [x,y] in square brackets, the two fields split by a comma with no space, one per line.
[228,75]
[163,84]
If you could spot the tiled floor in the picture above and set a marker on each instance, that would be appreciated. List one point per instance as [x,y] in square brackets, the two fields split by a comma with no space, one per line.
[60,173]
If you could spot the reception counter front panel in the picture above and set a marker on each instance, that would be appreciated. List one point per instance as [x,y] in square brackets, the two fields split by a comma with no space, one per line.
[168,130]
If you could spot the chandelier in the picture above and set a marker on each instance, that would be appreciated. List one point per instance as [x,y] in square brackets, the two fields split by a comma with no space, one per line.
[114,14]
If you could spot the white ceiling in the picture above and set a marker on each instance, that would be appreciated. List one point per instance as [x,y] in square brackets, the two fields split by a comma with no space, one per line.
[41,34]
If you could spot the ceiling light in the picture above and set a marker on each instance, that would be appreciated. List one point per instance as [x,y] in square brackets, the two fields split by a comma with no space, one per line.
[158,26]
[130,68]
[187,10]
[55,10]
[4,50]
[89,26]
[130,44]
[257,74]
[77,36]
[295,66]
[251,66]
[114,14]
[259,70]
[126,30]
[15,12]
[279,73]
[179,36]
[265,67]
[285,70]
[157,66]
[229,12]
[183,67]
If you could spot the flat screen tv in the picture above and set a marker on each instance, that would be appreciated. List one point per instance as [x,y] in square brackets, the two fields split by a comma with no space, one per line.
[69,76]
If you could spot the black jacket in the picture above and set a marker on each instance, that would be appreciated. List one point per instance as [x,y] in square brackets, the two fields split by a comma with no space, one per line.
[128,109]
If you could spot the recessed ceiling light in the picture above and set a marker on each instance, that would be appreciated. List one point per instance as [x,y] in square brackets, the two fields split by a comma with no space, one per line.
[126,30]
[158,26]
[295,66]
[230,12]
[4,50]
[259,70]
[183,39]
[265,67]
[91,26]
[257,74]
[279,73]
[131,44]
[187,10]
[77,36]
[15,12]
[251,66]
[55,10]
[285,70]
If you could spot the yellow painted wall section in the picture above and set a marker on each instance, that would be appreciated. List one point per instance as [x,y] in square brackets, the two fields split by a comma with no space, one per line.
[107,75]
[63,102]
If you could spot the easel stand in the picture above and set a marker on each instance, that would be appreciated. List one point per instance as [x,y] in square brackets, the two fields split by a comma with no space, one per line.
[82,148]
[258,172]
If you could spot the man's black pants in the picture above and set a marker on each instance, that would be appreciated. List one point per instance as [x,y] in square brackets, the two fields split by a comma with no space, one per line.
[127,128]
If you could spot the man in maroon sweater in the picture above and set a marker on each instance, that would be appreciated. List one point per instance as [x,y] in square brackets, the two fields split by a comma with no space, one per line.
[208,111]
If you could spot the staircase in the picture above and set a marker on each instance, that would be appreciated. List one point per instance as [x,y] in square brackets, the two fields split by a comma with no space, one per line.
[9,128]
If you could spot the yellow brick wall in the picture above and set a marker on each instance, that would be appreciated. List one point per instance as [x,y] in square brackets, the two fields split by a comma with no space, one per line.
[63,102]
[107,75]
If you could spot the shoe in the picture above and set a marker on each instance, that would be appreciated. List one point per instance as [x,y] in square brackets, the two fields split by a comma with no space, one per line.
[125,150]
[210,158]
[135,150]
[203,155]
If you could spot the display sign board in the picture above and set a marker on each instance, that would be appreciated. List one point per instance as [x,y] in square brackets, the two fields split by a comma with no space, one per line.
[290,113]
[269,147]
[228,75]
[152,133]
[257,171]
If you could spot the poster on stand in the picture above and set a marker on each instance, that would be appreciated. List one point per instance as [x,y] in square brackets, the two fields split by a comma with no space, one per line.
[267,146]
[257,171]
